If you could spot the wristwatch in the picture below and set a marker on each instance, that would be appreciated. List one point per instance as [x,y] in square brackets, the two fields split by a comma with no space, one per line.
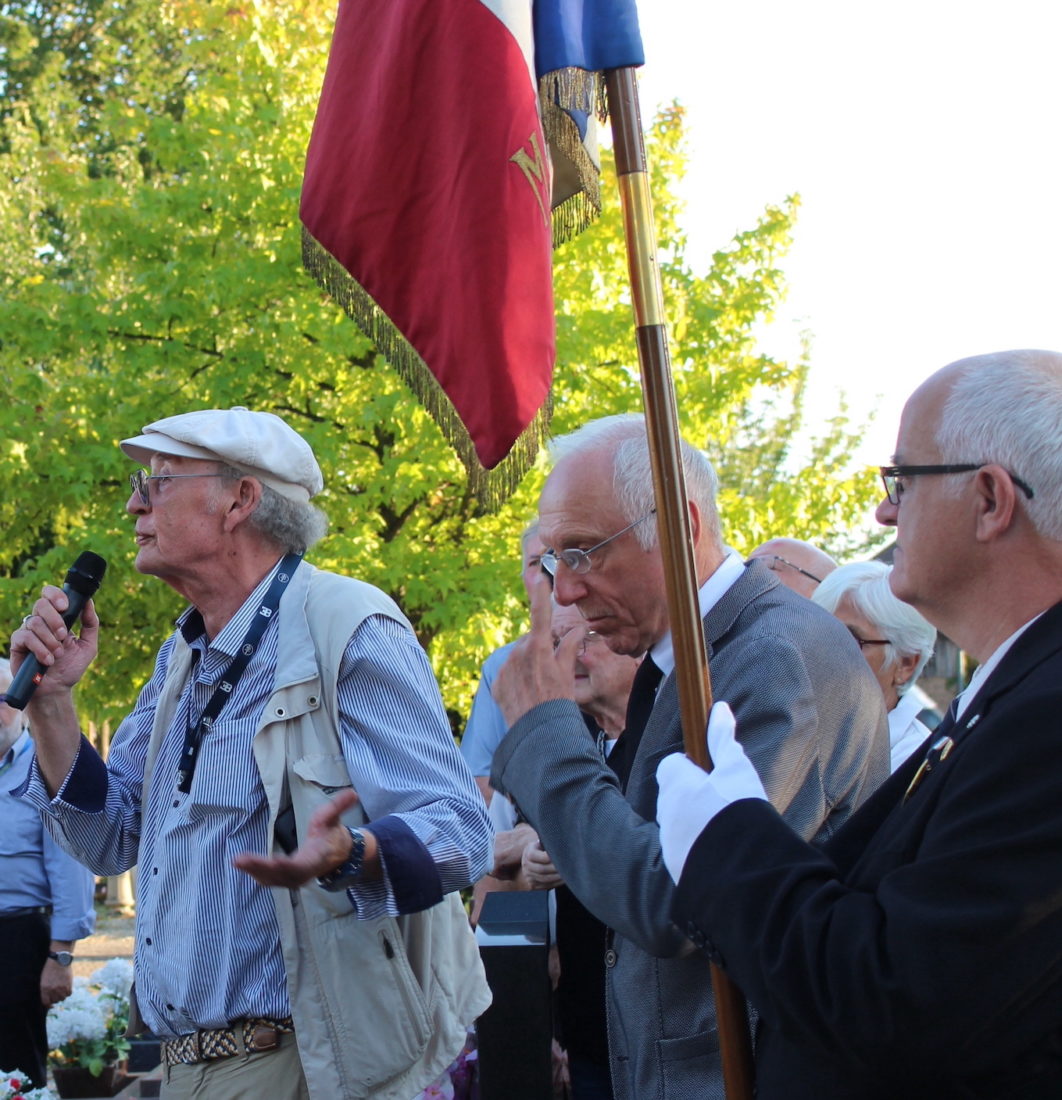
[346,874]
[63,958]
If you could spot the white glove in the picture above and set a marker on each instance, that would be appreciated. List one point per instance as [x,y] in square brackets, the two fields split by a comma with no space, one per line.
[690,797]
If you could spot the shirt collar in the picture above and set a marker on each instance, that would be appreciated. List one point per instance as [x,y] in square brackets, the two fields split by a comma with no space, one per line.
[982,672]
[909,706]
[228,641]
[709,594]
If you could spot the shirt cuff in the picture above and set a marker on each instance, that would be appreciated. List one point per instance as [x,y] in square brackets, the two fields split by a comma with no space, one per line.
[414,877]
[85,788]
[70,930]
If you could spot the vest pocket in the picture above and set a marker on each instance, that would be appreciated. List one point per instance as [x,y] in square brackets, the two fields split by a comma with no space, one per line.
[394,1024]
[326,771]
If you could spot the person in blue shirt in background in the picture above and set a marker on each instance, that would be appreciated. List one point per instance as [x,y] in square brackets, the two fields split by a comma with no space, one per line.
[486,724]
[45,908]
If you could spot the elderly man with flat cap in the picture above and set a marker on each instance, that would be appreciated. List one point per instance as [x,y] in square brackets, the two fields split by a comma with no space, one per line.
[286,782]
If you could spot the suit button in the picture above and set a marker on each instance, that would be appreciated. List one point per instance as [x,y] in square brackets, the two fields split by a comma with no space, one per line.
[610,957]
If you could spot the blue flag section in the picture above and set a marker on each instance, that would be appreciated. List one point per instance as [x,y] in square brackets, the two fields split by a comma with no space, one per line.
[575,42]
[586,34]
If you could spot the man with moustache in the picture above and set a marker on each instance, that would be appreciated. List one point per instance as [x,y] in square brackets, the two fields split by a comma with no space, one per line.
[813,724]
[919,954]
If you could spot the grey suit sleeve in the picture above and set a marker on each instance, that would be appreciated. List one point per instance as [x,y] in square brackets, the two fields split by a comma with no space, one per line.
[812,722]
[608,855]
[815,733]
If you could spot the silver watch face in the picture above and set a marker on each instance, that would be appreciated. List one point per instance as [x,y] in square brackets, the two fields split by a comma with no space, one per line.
[63,958]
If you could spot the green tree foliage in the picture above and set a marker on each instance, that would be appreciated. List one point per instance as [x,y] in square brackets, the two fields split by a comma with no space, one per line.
[150,158]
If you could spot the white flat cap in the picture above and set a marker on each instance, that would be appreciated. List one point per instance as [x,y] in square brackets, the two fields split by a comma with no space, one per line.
[256,443]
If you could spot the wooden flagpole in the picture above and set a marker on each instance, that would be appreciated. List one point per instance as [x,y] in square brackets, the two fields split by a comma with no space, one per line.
[672,518]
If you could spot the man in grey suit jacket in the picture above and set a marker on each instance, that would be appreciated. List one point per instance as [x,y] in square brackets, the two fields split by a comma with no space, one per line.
[810,717]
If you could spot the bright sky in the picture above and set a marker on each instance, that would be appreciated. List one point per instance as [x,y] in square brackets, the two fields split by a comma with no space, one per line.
[924,139]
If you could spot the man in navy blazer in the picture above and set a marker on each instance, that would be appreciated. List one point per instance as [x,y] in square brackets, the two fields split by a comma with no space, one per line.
[812,723]
[919,952]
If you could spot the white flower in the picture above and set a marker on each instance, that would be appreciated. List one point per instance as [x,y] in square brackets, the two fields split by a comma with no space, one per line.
[13,1084]
[80,1016]
[115,977]
[88,1028]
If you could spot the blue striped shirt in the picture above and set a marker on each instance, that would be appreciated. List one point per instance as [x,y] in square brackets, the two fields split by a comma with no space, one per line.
[207,941]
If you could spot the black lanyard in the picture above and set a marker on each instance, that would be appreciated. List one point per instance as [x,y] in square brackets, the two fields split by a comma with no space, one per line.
[193,736]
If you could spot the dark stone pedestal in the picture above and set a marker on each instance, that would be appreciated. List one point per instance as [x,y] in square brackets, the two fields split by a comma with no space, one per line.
[515,1034]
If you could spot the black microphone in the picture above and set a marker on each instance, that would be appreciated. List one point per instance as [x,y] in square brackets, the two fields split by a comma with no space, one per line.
[81,583]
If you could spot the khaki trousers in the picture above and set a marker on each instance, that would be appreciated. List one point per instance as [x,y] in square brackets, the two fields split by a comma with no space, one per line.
[276,1074]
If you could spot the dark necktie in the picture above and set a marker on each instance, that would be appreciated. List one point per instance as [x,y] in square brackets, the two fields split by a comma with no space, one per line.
[639,707]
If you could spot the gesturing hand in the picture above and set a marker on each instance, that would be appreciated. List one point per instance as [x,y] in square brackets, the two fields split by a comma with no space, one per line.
[535,672]
[325,846]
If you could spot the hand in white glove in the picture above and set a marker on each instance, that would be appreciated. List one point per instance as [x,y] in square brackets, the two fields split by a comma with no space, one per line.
[690,797]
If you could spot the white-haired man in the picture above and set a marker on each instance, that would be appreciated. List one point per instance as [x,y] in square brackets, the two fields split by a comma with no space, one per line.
[814,724]
[281,686]
[919,954]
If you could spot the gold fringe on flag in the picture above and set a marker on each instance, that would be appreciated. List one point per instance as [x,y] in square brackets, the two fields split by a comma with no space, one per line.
[576,90]
[491,488]
[576,187]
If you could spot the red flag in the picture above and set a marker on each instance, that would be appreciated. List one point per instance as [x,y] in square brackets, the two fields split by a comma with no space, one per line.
[426,211]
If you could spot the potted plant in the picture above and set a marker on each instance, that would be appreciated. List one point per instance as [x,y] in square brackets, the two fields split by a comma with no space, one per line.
[14,1085]
[86,1033]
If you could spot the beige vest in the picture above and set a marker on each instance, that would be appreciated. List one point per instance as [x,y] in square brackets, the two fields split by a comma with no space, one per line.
[382,1006]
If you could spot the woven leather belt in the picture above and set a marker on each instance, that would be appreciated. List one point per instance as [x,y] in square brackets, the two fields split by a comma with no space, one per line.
[221,1042]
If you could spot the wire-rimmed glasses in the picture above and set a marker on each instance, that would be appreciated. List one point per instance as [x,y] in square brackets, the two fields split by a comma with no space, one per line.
[578,561]
[140,482]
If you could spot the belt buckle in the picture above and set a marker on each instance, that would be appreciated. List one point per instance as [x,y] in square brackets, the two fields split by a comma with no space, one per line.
[263,1036]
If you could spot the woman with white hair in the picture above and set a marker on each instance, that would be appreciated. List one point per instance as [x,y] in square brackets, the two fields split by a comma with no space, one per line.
[894,638]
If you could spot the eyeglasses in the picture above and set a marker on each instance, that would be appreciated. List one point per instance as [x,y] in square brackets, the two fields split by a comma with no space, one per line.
[891,477]
[802,572]
[140,482]
[589,638]
[863,642]
[578,561]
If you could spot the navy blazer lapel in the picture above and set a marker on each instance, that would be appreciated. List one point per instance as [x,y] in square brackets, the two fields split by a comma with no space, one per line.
[1041,642]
